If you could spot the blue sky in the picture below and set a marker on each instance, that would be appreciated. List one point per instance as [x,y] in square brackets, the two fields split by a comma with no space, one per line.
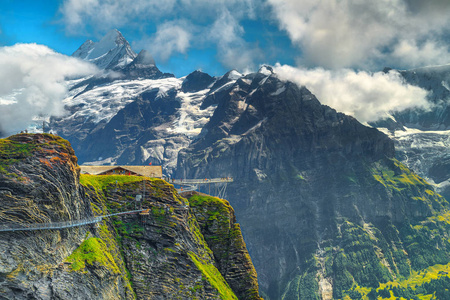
[42,22]
[218,35]
[35,22]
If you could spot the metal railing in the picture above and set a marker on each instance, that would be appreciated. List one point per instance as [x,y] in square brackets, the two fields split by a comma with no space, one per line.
[52,225]
[60,225]
[200,181]
[190,185]
[124,213]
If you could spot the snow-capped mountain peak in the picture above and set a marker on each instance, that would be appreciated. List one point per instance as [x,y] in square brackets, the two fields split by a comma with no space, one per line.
[113,50]
[233,75]
[266,70]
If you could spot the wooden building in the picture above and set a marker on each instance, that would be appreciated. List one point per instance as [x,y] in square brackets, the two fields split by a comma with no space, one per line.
[147,171]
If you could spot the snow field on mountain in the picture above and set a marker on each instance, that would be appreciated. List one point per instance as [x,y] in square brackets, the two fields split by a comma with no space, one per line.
[420,150]
[190,118]
[104,102]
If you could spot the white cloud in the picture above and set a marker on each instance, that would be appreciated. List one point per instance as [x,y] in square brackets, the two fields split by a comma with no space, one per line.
[233,50]
[170,37]
[102,15]
[106,14]
[429,53]
[32,82]
[354,33]
[225,33]
[366,96]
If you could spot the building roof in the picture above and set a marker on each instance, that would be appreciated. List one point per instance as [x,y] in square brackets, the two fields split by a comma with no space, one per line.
[148,171]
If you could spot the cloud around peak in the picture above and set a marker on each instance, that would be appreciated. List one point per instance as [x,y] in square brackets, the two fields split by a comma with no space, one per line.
[32,82]
[366,96]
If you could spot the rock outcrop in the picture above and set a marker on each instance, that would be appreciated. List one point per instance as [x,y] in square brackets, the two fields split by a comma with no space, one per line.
[223,235]
[158,254]
[39,184]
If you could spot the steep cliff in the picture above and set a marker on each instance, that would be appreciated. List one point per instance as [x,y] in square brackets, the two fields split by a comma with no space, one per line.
[223,235]
[39,184]
[158,254]
[327,211]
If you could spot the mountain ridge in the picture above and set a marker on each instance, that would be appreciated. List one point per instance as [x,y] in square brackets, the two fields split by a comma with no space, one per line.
[312,186]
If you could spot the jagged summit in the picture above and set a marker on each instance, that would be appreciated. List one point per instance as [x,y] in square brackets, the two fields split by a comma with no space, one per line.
[113,50]
[233,75]
[143,66]
[113,53]
[196,81]
[144,59]
[266,70]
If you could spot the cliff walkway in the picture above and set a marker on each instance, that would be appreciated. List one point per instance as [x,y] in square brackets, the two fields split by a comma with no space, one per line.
[61,225]
[187,185]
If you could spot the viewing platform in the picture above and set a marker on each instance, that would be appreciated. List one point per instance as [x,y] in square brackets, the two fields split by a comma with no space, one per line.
[218,189]
[200,181]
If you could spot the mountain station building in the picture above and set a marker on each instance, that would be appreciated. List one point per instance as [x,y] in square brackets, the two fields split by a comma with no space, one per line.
[147,171]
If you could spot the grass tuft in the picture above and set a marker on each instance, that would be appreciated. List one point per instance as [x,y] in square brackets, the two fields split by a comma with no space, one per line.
[213,276]
[92,252]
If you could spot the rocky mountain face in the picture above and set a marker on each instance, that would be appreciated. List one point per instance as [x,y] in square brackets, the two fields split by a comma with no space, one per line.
[137,114]
[327,210]
[422,137]
[161,254]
